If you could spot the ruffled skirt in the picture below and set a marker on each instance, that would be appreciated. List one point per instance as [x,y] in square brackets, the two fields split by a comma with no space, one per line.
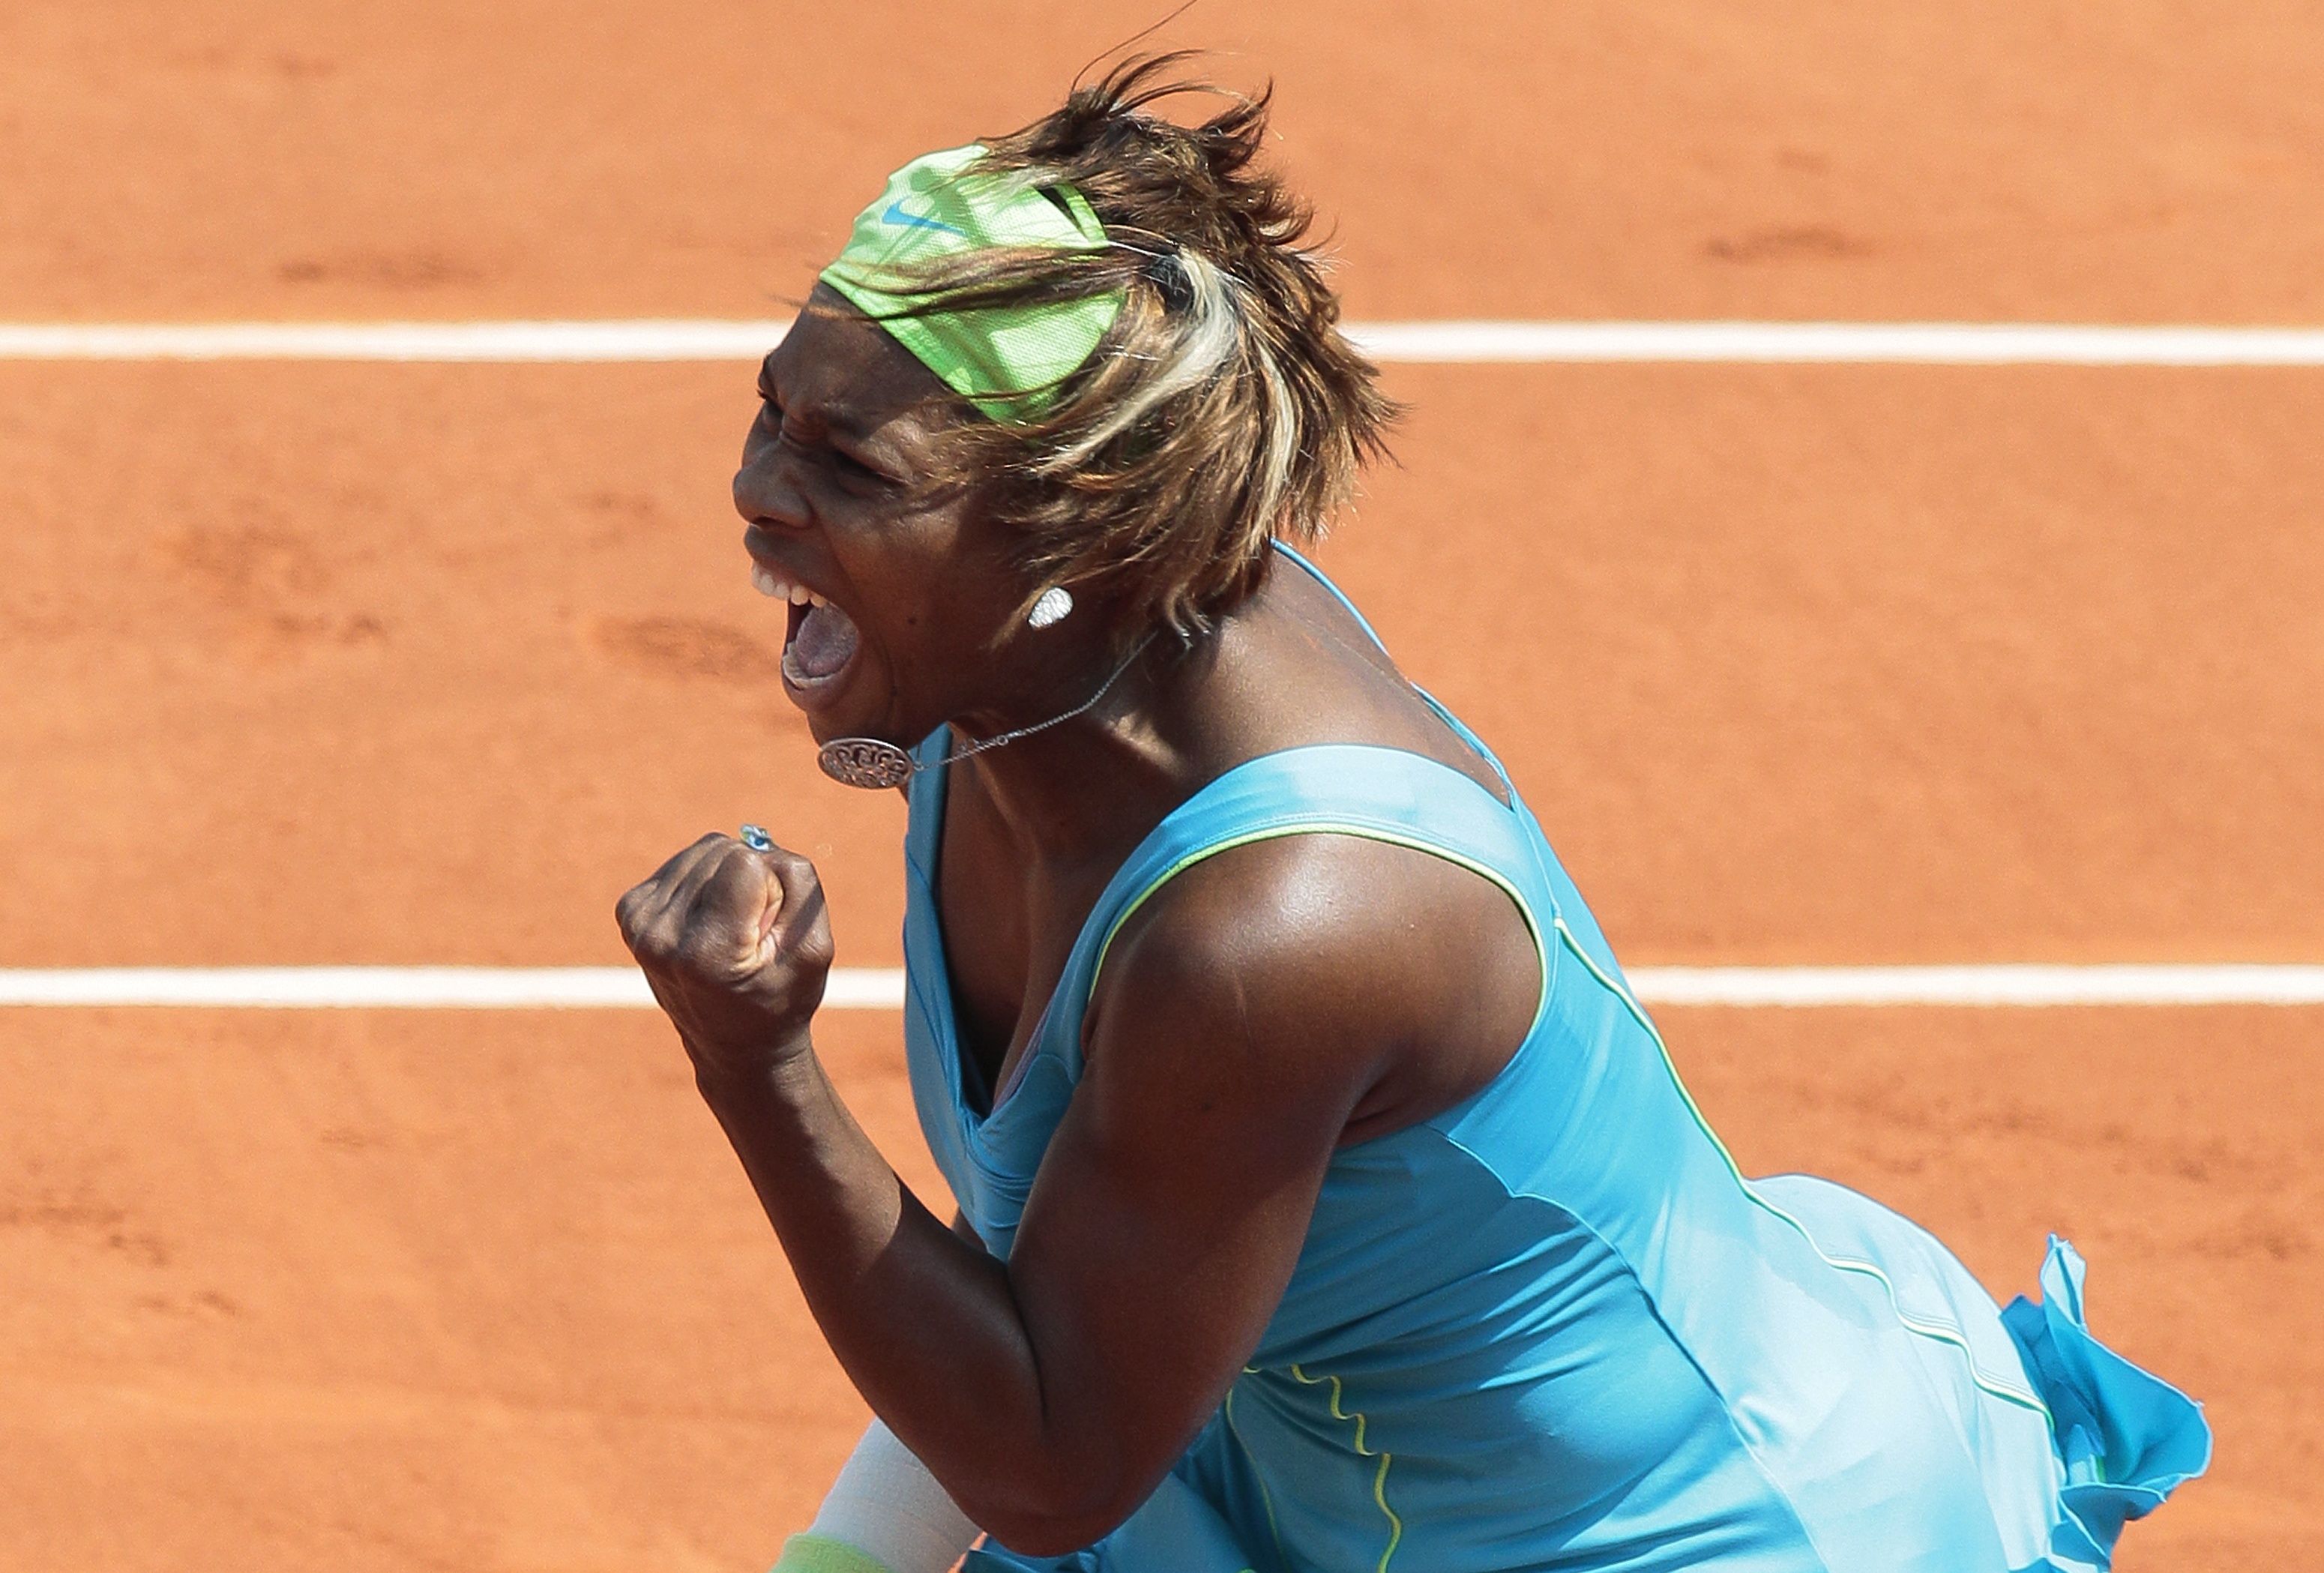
[2125,1438]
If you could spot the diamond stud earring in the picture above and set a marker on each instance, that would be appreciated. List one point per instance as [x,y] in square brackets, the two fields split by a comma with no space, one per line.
[1055,603]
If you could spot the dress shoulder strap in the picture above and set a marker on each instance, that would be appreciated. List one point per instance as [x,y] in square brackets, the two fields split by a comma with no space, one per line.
[1338,594]
[1459,726]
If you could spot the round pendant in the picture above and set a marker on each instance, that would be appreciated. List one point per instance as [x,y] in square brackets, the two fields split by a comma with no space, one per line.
[865,761]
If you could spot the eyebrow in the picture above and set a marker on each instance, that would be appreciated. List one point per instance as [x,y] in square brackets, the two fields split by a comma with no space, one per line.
[861,428]
[842,418]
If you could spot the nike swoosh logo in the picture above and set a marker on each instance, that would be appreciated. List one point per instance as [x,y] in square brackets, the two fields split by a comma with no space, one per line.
[896,214]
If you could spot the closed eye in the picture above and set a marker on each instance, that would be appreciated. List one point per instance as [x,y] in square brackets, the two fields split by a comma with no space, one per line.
[848,464]
[844,464]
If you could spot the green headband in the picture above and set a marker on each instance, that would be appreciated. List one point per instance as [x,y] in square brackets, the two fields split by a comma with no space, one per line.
[1006,360]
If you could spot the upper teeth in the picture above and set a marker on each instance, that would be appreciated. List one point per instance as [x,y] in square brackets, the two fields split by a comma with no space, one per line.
[764,580]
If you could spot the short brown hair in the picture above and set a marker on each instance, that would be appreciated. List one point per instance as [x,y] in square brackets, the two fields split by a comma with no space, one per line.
[1223,408]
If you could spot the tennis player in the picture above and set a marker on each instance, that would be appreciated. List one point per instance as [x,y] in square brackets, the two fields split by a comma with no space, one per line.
[1327,1202]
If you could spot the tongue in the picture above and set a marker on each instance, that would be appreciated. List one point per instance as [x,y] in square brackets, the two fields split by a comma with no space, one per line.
[824,643]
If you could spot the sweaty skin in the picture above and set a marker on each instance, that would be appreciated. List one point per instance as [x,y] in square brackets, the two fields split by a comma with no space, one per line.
[1268,1006]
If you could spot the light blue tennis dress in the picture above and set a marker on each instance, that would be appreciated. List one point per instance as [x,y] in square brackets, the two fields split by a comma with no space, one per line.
[1554,1326]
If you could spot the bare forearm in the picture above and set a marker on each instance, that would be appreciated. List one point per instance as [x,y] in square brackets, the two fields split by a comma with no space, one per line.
[924,1323]
[735,941]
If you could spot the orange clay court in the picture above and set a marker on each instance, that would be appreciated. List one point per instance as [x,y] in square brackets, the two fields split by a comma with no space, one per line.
[346,663]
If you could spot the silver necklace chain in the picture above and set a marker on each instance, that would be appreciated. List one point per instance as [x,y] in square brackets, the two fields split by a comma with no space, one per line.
[873,762]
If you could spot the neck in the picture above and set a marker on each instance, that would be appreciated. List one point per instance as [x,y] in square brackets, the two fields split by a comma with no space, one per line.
[1067,791]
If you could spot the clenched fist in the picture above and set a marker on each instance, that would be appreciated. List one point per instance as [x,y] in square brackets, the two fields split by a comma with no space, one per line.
[736,945]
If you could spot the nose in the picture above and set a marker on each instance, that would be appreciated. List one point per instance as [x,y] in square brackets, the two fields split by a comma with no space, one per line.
[767,490]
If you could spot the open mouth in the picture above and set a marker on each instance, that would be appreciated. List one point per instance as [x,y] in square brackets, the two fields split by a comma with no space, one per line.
[819,640]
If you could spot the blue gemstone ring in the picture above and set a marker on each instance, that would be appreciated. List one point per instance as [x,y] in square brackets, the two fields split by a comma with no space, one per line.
[756,840]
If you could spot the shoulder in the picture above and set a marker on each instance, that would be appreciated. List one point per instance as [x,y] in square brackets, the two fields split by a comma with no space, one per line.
[1321,965]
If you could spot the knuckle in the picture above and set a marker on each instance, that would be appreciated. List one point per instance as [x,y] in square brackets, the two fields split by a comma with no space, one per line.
[664,933]
[637,910]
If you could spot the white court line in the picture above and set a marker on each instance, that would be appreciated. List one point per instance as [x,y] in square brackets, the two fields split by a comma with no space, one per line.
[1859,343]
[484,988]
[882,988]
[657,339]
[2021,984]
[700,339]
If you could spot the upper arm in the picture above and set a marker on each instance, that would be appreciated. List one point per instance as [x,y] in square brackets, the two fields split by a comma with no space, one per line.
[1240,1025]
